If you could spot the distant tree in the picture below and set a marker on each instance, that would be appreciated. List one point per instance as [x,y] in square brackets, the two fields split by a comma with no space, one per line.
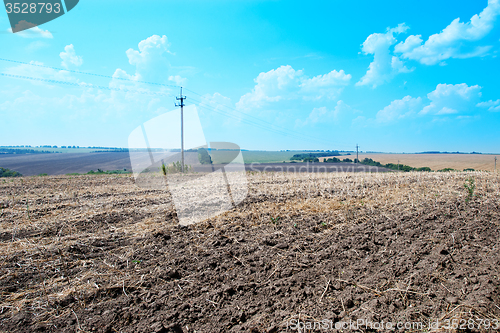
[298,157]
[311,159]
[331,160]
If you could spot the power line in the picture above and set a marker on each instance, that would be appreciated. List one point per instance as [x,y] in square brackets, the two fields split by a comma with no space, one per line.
[302,136]
[83,85]
[262,124]
[291,134]
[91,74]
[249,122]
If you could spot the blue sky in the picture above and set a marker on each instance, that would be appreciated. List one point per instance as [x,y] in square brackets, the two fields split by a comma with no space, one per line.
[393,76]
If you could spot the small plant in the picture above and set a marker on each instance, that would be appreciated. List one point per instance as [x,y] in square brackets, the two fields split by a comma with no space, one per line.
[42,175]
[470,186]
[323,224]
[164,169]
[295,225]
[136,261]
[275,219]
[28,209]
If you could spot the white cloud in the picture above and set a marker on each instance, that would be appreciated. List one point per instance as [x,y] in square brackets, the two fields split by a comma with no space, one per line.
[455,41]
[286,83]
[322,114]
[399,109]
[491,105]
[384,65]
[178,80]
[328,85]
[150,62]
[452,98]
[34,32]
[69,57]
[40,72]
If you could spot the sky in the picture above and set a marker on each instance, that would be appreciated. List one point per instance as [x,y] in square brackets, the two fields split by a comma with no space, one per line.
[391,76]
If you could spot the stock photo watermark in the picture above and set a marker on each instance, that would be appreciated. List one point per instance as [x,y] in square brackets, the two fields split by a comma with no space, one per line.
[158,163]
[366,324]
[25,15]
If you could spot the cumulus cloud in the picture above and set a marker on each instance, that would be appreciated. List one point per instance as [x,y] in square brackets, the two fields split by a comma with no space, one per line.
[445,100]
[323,114]
[69,57]
[490,105]
[286,83]
[178,80]
[34,32]
[150,61]
[452,98]
[399,109]
[41,72]
[455,41]
[384,65]
[329,85]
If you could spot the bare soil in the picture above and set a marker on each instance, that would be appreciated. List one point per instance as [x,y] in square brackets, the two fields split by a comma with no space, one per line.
[98,254]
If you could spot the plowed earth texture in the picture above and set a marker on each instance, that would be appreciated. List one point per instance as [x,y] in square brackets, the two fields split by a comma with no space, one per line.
[99,254]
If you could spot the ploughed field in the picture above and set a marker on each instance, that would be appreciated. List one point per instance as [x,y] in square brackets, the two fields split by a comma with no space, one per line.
[99,254]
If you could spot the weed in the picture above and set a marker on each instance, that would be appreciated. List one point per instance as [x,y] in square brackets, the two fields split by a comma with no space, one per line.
[323,224]
[175,167]
[470,186]
[28,209]
[275,219]
[295,225]
[136,261]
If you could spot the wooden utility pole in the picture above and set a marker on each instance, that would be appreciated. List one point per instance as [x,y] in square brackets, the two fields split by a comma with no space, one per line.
[495,164]
[357,153]
[181,104]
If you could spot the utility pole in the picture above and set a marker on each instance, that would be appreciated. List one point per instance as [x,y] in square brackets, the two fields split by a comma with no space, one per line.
[495,164]
[357,154]
[181,104]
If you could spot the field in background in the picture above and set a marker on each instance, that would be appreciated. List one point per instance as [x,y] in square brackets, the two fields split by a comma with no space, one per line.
[257,156]
[436,161]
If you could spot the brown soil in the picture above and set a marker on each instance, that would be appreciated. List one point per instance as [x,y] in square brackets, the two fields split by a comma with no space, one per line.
[99,254]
